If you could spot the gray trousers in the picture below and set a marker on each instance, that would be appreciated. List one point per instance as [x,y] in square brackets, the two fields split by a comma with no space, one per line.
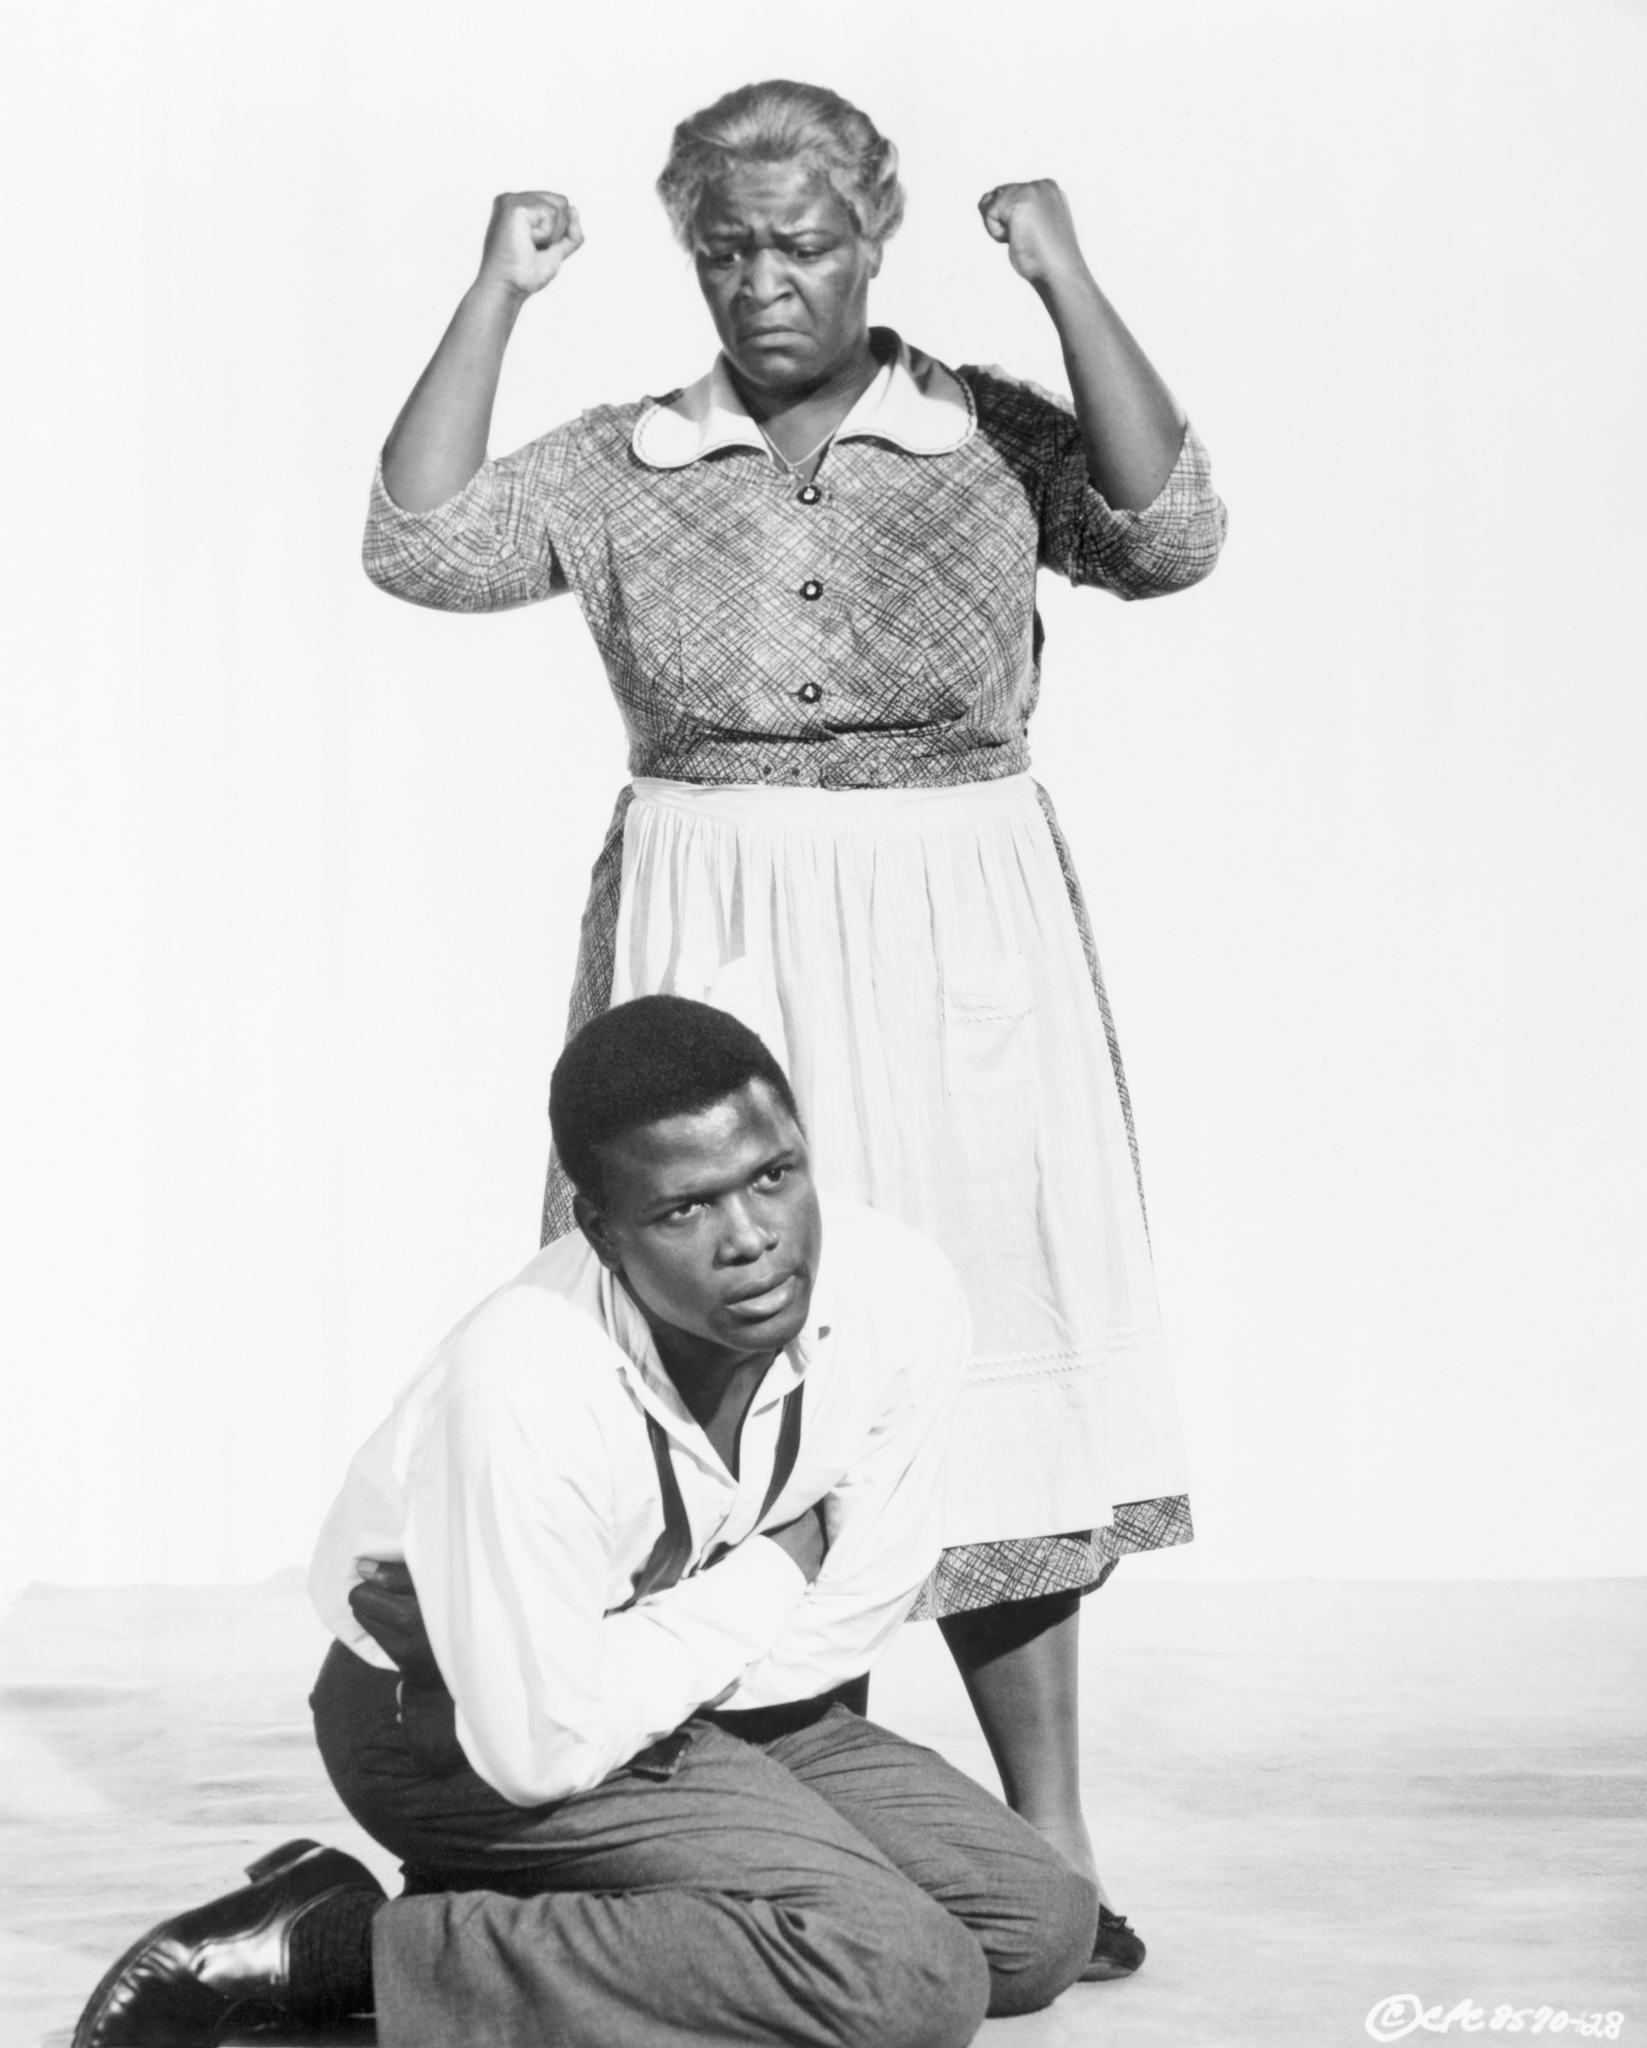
[830,1885]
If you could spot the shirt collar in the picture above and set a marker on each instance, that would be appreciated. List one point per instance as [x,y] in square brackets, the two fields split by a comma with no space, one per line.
[913,402]
[644,1369]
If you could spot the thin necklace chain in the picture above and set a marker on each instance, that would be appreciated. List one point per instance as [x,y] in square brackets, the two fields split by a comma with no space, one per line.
[796,467]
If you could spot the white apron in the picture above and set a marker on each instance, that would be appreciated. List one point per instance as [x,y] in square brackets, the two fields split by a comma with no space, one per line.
[912,958]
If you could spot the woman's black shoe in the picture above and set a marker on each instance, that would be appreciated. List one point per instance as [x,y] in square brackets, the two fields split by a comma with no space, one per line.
[1116,1953]
[178,1986]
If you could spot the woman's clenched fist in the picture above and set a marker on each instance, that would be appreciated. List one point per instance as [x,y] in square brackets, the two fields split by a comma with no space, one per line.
[529,237]
[1034,220]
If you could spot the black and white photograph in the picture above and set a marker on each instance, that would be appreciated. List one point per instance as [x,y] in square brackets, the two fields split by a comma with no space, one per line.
[826,1148]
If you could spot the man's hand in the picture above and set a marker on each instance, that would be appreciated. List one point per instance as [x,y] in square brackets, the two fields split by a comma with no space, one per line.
[803,1539]
[530,236]
[1035,222]
[386,1606]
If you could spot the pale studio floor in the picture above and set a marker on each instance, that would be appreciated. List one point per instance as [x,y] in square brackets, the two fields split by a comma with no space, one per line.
[1310,1796]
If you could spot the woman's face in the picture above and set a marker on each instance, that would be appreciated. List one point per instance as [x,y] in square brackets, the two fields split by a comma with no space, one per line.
[785,274]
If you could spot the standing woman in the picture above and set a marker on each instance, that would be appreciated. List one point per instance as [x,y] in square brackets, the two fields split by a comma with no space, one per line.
[811,576]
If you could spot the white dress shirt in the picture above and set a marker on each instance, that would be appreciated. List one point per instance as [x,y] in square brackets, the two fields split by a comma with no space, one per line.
[516,1478]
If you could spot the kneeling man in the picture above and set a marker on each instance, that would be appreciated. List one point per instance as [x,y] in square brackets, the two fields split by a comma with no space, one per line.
[664,1499]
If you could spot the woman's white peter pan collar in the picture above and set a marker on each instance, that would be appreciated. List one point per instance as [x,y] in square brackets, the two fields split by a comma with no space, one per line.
[914,402]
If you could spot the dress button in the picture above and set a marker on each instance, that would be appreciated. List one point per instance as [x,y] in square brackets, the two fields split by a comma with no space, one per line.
[810,495]
[809,693]
[811,588]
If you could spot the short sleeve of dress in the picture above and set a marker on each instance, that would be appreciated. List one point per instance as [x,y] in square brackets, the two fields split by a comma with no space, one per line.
[1167,546]
[489,547]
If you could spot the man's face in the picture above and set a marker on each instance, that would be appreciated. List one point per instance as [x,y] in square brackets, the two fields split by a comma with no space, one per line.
[711,1220]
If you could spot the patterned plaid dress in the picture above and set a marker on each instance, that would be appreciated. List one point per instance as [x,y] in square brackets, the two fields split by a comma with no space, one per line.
[873,629]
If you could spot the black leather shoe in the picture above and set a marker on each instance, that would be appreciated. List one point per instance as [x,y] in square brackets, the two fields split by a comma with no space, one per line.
[1116,1953]
[178,1986]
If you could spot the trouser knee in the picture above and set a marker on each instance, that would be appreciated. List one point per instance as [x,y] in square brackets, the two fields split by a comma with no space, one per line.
[1065,1928]
[934,1989]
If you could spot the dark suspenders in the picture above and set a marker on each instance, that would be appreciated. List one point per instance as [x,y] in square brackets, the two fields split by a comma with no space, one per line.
[789,1443]
[674,1546]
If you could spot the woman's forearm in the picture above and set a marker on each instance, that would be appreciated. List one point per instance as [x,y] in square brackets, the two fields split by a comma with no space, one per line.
[439,440]
[1130,423]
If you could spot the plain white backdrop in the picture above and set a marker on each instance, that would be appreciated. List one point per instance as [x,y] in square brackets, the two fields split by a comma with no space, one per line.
[293,873]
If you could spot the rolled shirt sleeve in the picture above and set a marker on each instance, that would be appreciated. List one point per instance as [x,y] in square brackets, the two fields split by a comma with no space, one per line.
[487,548]
[1172,543]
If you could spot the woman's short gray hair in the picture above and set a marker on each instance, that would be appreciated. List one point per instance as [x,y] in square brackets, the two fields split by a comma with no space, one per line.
[783,122]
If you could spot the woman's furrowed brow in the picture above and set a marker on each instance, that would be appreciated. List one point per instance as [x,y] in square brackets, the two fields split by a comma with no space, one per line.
[796,229]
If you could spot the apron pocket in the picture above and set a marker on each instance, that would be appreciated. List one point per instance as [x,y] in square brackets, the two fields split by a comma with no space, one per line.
[989,1026]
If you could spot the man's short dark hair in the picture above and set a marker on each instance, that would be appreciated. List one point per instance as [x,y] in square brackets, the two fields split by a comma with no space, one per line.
[655,1057]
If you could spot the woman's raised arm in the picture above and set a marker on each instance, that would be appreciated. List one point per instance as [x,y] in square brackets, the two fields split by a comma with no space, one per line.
[1130,423]
[439,440]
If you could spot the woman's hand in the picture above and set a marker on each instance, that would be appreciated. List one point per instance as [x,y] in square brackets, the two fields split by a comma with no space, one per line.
[529,237]
[1034,220]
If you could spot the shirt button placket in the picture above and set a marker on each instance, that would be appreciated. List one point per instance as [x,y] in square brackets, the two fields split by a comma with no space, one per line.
[811,590]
